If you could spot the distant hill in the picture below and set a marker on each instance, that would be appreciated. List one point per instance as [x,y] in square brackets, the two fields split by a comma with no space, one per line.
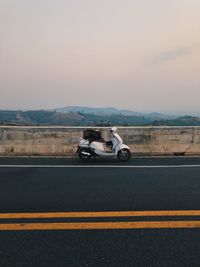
[38,117]
[43,117]
[109,111]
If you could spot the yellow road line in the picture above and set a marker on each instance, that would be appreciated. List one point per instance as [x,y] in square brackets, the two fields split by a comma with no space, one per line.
[99,214]
[99,225]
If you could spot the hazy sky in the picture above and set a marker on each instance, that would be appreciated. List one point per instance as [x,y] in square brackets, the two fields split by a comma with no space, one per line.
[137,54]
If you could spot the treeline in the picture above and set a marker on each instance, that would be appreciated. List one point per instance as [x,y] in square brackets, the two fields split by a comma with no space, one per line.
[180,121]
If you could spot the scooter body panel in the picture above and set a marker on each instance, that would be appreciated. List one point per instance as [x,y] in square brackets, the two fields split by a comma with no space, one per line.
[104,154]
[97,146]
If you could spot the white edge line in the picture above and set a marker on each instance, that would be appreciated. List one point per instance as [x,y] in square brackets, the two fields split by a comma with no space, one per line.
[99,166]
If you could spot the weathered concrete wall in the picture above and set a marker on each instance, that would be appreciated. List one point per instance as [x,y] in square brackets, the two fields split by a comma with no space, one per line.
[63,140]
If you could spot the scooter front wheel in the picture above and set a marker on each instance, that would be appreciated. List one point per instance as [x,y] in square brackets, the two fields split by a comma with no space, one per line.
[124,154]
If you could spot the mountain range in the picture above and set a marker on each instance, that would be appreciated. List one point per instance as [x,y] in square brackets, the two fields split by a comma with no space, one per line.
[86,116]
[110,111]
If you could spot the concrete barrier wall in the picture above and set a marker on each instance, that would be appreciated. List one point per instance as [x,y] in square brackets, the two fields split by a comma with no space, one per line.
[55,141]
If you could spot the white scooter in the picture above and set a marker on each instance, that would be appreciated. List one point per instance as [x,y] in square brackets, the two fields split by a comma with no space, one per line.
[93,145]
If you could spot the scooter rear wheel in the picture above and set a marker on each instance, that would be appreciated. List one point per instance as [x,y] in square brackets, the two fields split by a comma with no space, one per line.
[124,154]
[84,154]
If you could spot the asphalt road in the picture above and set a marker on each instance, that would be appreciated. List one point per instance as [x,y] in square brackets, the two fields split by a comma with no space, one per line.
[150,212]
